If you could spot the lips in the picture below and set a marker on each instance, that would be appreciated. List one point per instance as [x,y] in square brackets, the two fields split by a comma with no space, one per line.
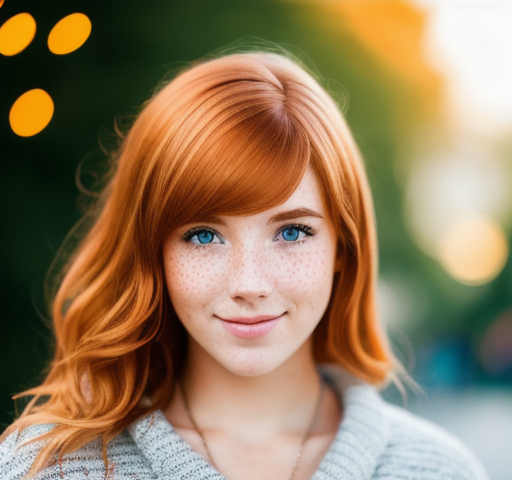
[250,327]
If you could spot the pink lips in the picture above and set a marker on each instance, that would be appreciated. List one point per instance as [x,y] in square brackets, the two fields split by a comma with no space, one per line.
[250,327]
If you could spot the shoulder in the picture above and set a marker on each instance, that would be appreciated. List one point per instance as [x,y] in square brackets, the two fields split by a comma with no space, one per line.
[417,448]
[19,450]
[383,442]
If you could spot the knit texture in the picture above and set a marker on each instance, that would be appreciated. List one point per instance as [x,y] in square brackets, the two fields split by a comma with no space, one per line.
[375,441]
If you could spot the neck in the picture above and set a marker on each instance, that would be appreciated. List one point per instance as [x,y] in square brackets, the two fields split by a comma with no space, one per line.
[281,400]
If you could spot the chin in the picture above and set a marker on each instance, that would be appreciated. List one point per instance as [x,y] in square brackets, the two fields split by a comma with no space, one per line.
[252,365]
[246,363]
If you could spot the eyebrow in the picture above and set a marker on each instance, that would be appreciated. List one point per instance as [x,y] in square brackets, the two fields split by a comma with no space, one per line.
[211,219]
[292,214]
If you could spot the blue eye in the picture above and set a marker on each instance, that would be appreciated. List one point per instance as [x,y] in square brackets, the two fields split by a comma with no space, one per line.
[202,236]
[291,234]
[294,233]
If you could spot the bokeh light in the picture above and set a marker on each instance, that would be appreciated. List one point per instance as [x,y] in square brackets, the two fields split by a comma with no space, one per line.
[31,112]
[393,31]
[471,43]
[446,183]
[69,34]
[16,34]
[473,249]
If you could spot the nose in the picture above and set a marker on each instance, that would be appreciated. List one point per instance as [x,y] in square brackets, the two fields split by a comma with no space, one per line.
[249,276]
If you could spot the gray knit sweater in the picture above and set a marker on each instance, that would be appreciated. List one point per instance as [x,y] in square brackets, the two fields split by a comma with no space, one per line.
[374,441]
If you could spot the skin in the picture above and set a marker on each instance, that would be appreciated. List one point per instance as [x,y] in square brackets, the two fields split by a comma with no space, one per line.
[254,398]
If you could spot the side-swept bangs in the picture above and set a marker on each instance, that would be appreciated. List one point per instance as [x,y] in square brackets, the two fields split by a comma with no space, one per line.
[222,139]
[246,155]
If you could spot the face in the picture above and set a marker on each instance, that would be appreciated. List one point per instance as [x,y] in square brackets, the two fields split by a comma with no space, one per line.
[251,289]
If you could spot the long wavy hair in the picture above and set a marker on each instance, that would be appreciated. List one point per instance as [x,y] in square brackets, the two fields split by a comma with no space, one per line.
[229,136]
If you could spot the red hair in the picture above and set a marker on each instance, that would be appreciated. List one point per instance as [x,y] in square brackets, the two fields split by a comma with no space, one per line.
[230,136]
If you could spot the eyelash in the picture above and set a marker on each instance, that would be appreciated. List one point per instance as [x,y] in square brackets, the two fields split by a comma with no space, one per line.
[308,232]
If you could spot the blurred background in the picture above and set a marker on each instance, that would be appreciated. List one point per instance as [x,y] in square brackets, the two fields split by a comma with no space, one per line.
[426,87]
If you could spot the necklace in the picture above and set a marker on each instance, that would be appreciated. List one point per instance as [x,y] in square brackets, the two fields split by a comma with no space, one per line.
[306,435]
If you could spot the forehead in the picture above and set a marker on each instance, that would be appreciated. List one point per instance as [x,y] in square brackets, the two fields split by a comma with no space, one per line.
[308,192]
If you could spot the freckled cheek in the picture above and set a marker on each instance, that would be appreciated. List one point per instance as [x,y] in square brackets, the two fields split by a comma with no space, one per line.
[190,280]
[303,272]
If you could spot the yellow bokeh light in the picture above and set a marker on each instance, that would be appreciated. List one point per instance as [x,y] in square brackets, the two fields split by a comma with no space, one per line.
[17,33]
[31,112]
[69,34]
[473,249]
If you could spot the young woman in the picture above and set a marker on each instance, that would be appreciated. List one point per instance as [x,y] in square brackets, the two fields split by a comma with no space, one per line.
[218,318]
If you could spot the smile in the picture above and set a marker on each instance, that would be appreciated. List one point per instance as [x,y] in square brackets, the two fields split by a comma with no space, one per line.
[250,327]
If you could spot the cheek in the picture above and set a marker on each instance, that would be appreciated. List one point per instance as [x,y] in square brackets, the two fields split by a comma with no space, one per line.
[308,274]
[306,278]
[190,278]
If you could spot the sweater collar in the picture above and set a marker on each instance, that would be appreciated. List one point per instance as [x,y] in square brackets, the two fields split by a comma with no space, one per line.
[168,454]
[353,454]
[362,434]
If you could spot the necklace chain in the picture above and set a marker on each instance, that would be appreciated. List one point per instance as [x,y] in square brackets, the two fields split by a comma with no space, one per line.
[305,437]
